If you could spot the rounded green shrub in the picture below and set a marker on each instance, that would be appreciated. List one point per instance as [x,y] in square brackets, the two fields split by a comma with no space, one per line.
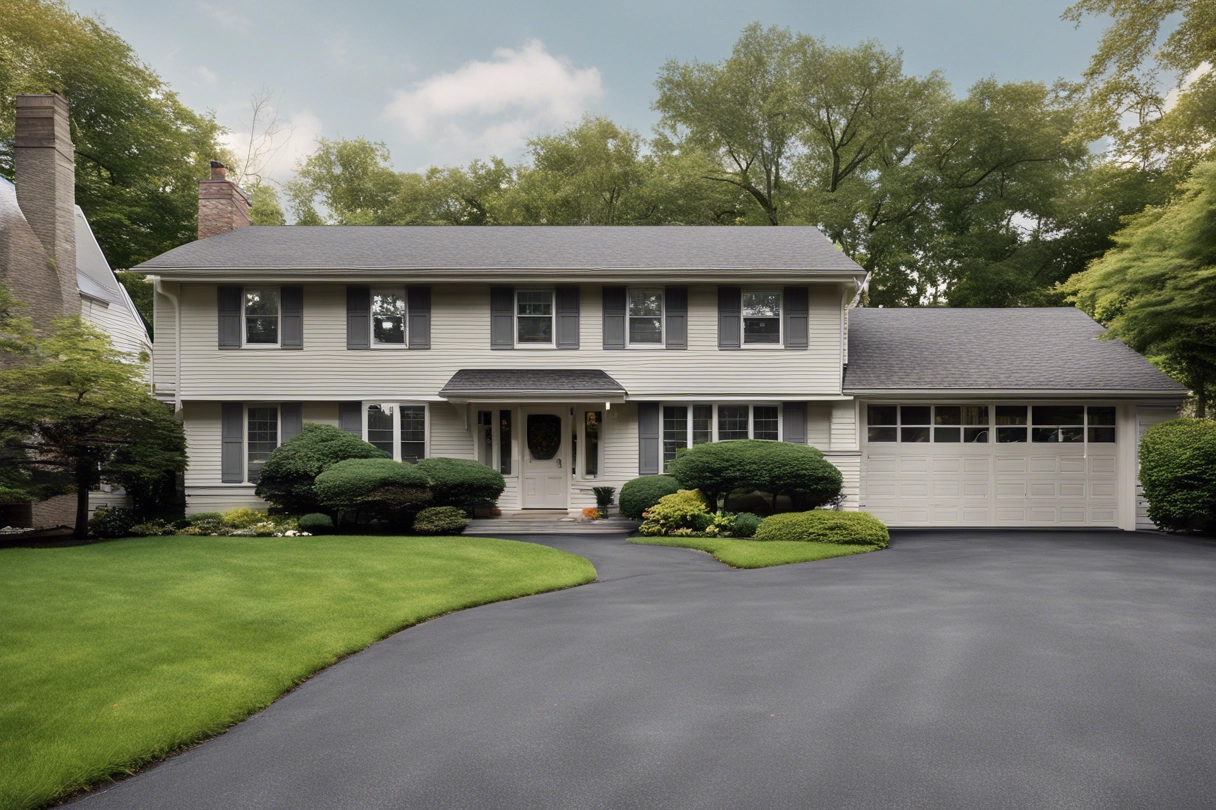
[316,523]
[1178,473]
[462,483]
[110,522]
[685,509]
[825,526]
[778,468]
[642,493]
[441,520]
[287,477]
[745,524]
[375,488]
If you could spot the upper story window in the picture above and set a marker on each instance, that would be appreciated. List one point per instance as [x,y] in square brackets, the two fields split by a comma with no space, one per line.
[761,317]
[646,316]
[388,316]
[261,314]
[534,317]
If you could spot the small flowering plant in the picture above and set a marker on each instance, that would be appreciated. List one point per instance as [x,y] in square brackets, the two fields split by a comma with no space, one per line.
[591,513]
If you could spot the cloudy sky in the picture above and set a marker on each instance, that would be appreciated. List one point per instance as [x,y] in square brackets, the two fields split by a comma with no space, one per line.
[442,83]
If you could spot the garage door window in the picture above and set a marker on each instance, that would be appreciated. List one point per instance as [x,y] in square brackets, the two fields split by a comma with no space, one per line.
[914,421]
[1010,423]
[1058,423]
[1101,424]
[882,423]
[975,424]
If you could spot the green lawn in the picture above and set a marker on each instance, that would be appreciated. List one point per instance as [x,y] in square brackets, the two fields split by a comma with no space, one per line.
[753,553]
[116,654]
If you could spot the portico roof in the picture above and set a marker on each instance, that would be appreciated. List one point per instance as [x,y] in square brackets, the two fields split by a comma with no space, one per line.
[532,385]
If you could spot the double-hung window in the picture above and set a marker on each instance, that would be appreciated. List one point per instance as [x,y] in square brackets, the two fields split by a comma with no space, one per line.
[493,439]
[687,425]
[260,309]
[534,317]
[388,316]
[261,438]
[761,317]
[397,429]
[646,316]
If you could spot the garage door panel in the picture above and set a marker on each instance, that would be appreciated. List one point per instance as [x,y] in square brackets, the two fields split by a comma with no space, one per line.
[946,489]
[1102,464]
[914,489]
[946,464]
[1011,464]
[1102,489]
[1073,514]
[1042,489]
[1044,464]
[1010,488]
[1072,489]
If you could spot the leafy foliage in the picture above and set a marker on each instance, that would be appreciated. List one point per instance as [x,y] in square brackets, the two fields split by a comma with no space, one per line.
[109,522]
[745,524]
[603,497]
[316,523]
[680,510]
[440,520]
[642,493]
[375,487]
[287,477]
[778,468]
[243,518]
[1178,473]
[825,526]
[462,483]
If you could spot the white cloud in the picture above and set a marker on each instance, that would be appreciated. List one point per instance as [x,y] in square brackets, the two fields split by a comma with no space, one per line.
[1171,98]
[295,139]
[207,75]
[493,106]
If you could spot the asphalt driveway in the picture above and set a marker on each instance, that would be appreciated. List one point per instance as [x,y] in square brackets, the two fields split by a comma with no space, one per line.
[960,670]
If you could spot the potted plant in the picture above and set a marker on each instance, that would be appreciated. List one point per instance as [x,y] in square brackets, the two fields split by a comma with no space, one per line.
[603,499]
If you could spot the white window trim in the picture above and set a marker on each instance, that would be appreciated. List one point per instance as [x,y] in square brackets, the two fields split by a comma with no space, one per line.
[580,463]
[245,344]
[662,343]
[278,425]
[397,406]
[371,317]
[713,432]
[552,344]
[780,344]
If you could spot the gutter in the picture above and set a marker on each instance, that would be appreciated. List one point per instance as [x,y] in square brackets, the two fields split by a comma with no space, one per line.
[158,286]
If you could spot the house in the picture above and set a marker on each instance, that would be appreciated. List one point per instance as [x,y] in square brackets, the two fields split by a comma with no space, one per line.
[573,357]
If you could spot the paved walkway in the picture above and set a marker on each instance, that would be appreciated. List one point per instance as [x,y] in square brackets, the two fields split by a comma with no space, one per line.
[972,670]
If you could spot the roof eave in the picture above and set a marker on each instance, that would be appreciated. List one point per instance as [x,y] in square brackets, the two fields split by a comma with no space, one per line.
[476,274]
[1174,393]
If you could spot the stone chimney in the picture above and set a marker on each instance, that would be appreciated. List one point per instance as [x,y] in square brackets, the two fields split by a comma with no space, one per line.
[221,205]
[45,174]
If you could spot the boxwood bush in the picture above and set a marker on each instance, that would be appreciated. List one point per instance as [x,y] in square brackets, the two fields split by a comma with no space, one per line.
[316,523]
[745,524]
[1178,473]
[376,488]
[642,493]
[825,526]
[462,483]
[441,520]
[110,522]
[287,477]
[777,468]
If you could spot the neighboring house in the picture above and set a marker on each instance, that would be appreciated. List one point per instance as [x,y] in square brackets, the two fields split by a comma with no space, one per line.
[51,262]
[572,357]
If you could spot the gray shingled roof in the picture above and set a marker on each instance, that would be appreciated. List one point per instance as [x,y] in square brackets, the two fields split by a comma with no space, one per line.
[992,349]
[508,248]
[485,381]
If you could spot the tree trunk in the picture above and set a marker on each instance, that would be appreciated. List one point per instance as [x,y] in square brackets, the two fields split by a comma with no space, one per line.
[1201,400]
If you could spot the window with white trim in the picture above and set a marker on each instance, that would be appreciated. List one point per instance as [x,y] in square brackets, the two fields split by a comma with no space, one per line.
[593,433]
[534,317]
[388,316]
[493,439]
[1010,424]
[687,425]
[761,317]
[261,438]
[646,316]
[260,312]
[398,429]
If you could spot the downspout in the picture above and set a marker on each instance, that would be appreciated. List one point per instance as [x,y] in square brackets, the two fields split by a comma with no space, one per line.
[177,344]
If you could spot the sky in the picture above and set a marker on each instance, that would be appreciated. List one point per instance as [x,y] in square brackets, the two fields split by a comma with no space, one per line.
[443,83]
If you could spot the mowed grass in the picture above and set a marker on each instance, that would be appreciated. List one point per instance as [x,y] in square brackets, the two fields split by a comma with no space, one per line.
[755,554]
[116,654]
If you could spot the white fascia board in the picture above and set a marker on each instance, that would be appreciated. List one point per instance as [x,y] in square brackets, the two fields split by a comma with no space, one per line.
[982,393]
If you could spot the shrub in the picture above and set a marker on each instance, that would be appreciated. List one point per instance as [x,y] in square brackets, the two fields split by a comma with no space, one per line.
[462,483]
[745,525]
[316,523]
[287,477]
[210,527]
[151,528]
[825,526]
[603,497]
[778,468]
[109,522]
[242,518]
[376,488]
[1178,473]
[684,509]
[441,520]
[204,517]
[642,493]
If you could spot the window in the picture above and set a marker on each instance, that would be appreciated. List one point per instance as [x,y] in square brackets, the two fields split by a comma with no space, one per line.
[732,422]
[702,424]
[882,423]
[591,446]
[914,421]
[761,317]
[969,424]
[1058,423]
[947,420]
[262,437]
[1101,424]
[646,317]
[534,317]
[764,422]
[261,309]
[413,432]
[381,425]
[388,316]
[675,431]
[975,424]
[505,449]
[485,437]
[1010,424]
[399,430]
[917,424]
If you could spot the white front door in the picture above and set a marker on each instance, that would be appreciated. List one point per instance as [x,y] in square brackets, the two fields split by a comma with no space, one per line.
[545,455]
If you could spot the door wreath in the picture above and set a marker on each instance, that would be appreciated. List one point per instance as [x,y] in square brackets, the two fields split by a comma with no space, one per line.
[544,435]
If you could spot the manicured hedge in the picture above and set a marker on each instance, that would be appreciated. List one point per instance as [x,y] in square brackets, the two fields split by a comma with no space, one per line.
[377,488]
[288,475]
[825,526]
[441,520]
[316,523]
[462,483]
[778,468]
[642,493]
[745,525]
[1178,473]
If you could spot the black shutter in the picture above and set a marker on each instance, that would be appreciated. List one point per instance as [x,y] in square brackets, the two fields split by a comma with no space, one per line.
[291,303]
[291,420]
[567,317]
[730,321]
[228,302]
[232,446]
[420,317]
[502,317]
[793,418]
[350,417]
[614,317]
[358,317]
[648,438]
[676,307]
[795,311]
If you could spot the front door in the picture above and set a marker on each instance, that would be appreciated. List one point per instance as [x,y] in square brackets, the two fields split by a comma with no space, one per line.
[546,476]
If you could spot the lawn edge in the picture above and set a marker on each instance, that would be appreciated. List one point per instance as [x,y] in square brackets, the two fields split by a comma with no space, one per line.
[639,540]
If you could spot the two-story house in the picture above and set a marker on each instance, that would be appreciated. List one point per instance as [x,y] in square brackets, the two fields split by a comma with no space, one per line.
[572,357]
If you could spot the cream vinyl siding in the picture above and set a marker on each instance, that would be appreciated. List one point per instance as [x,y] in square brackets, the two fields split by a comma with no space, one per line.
[849,465]
[460,338]
[164,360]
[125,332]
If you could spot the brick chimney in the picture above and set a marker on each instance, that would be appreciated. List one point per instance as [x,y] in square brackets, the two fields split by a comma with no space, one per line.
[221,205]
[45,174]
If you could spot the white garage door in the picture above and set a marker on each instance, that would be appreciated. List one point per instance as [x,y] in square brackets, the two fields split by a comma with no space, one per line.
[990,465]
